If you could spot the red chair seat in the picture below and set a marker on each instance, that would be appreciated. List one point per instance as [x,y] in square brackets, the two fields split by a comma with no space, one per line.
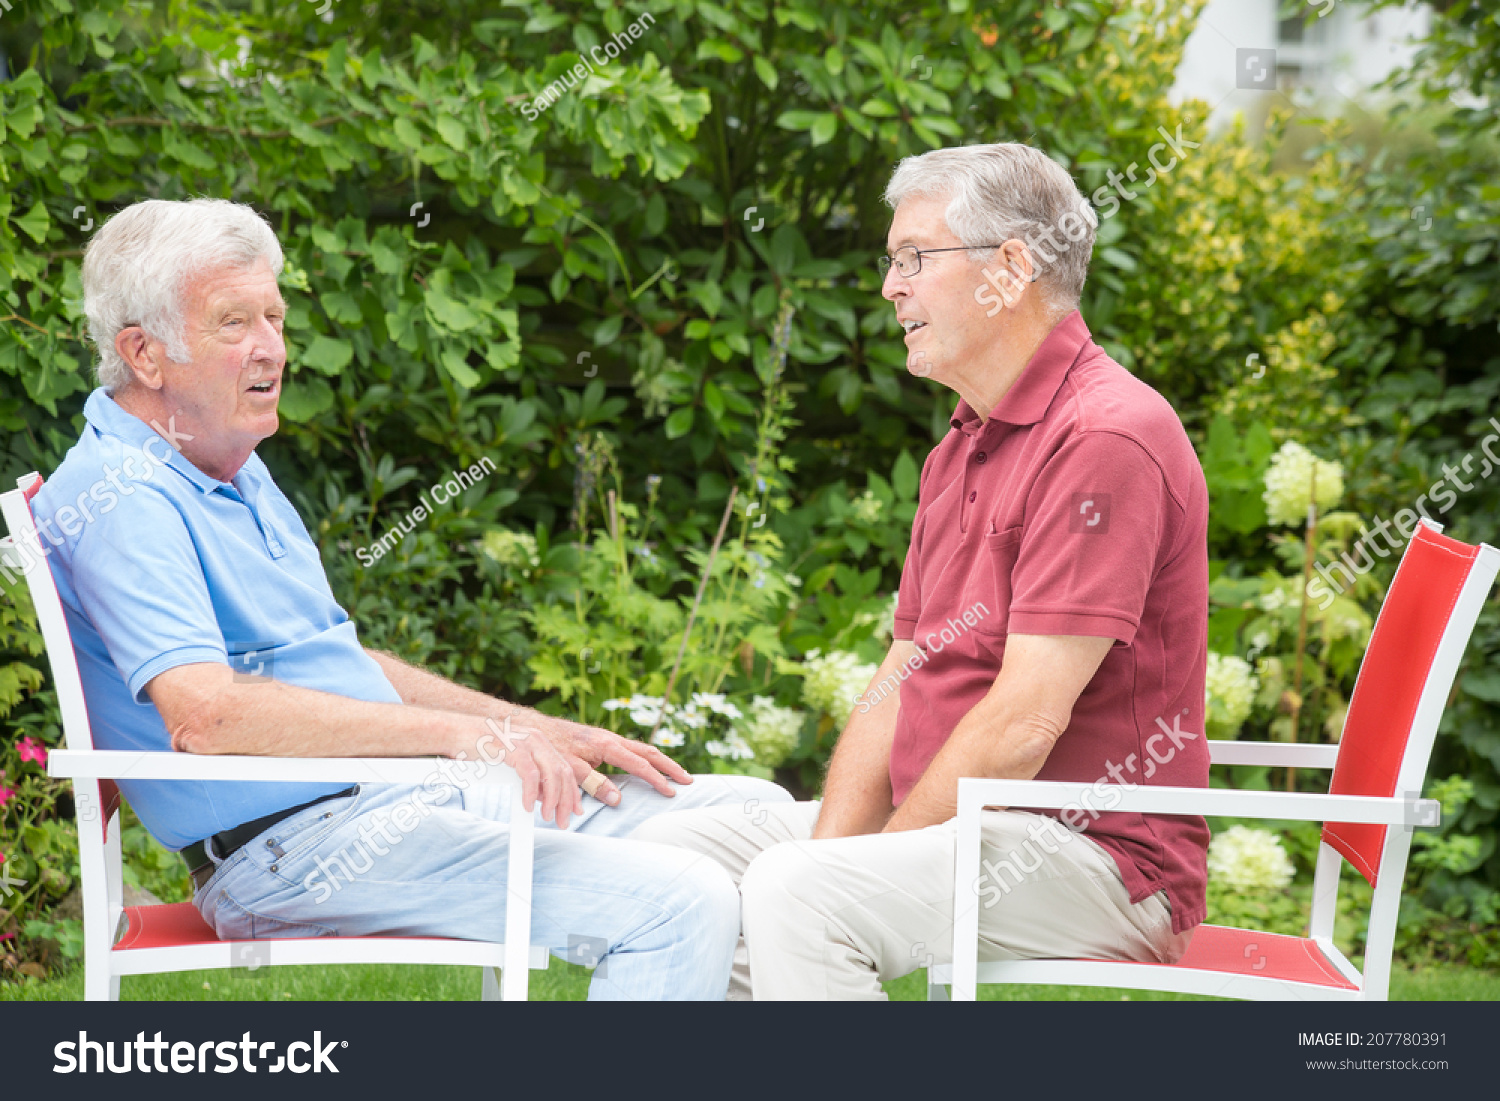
[1262,956]
[175,925]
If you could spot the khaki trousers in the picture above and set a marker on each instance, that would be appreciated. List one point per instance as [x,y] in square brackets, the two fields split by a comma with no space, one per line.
[833,919]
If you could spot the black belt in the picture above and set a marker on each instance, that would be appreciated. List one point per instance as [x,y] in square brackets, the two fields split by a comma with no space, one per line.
[226,844]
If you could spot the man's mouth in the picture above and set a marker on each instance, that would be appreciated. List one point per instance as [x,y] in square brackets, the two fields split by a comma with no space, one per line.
[911,325]
[267,387]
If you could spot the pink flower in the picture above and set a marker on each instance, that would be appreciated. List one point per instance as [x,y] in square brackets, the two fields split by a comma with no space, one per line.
[6,794]
[32,751]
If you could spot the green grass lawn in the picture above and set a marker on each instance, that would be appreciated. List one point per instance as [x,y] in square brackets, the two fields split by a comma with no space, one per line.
[569,982]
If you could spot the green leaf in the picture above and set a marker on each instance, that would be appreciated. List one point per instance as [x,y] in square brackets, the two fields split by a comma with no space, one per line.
[766,71]
[407,133]
[304,398]
[823,128]
[797,120]
[455,362]
[176,146]
[452,131]
[1484,685]
[451,314]
[713,400]
[680,423]
[35,222]
[1053,79]
[905,476]
[327,354]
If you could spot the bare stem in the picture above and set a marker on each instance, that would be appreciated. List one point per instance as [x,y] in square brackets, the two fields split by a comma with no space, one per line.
[1307,561]
[708,570]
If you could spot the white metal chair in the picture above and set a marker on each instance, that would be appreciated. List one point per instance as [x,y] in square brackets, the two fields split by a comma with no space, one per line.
[1369,815]
[174,937]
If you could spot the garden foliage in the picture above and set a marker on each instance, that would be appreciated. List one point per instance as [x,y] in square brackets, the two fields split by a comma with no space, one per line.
[650,300]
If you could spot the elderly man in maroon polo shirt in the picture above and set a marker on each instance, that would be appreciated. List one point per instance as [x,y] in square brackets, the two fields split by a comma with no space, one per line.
[1051,624]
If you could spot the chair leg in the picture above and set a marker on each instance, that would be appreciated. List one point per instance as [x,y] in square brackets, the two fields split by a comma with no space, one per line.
[491,984]
[99,985]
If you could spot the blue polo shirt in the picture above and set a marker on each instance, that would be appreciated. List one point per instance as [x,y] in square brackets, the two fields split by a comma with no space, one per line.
[160,565]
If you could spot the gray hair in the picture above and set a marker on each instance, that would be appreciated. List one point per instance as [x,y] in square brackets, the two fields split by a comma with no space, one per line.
[1004,191]
[138,266]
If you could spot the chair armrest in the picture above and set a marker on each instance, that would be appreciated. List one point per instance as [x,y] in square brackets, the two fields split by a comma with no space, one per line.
[1220,802]
[1278,754]
[111,764]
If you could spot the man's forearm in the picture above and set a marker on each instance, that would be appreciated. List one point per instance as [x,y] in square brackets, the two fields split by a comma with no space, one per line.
[857,790]
[994,739]
[421,688]
[208,710]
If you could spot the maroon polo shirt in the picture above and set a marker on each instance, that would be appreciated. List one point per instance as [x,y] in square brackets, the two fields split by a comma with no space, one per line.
[1077,508]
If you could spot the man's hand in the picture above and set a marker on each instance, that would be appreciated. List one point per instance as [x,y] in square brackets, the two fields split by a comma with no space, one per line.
[587,747]
[584,747]
[546,775]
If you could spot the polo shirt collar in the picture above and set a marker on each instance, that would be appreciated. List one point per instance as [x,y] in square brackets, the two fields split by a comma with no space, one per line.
[1029,397]
[101,411]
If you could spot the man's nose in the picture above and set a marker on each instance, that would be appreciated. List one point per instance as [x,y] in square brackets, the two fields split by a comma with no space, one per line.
[895,285]
[269,343]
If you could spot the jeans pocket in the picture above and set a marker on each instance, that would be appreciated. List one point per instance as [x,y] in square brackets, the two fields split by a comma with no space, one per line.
[233,921]
[289,839]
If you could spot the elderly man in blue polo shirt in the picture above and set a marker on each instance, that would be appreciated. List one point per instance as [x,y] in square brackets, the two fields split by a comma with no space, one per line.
[187,576]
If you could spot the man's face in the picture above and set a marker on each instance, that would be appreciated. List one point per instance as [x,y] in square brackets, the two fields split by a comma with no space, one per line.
[229,389]
[953,329]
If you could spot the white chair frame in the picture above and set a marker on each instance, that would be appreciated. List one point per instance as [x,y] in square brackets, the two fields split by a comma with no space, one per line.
[505,965]
[1401,814]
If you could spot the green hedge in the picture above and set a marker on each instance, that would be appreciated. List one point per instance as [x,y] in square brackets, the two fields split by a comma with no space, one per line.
[576,289]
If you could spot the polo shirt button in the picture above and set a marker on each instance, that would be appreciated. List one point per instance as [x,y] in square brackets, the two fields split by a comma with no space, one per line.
[979,458]
[972,496]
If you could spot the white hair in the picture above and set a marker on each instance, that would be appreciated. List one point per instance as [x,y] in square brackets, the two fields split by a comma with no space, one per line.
[137,268]
[1009,191]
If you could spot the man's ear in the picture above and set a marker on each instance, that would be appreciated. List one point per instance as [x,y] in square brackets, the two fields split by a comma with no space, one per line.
[142,354]
[1017,272]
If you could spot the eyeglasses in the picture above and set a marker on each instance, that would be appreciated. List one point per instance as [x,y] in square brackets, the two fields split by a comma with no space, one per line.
[908,258]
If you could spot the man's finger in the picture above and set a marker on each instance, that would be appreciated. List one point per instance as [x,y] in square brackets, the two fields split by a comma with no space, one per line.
[598,785]
[551,795]
[530,783]
[668,765]
[665,763]
[620,756]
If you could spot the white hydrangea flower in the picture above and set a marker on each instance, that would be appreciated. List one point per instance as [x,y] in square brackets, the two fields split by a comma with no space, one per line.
[511,548]
[885,626]
[867,508]
[1289,479]
[1273,600]
[1244,859]
[1231,685]
[832,683]
[771,731]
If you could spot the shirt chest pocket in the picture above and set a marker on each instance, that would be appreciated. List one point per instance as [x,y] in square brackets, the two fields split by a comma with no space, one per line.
[989,588]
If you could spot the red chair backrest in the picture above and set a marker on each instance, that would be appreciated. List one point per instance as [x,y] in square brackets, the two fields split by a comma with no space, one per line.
[1378,730]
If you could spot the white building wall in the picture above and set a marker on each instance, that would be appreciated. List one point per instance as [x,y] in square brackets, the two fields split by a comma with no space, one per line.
[1345,51]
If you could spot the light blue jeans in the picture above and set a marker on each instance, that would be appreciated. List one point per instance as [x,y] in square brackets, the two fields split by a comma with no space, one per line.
[660,922]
